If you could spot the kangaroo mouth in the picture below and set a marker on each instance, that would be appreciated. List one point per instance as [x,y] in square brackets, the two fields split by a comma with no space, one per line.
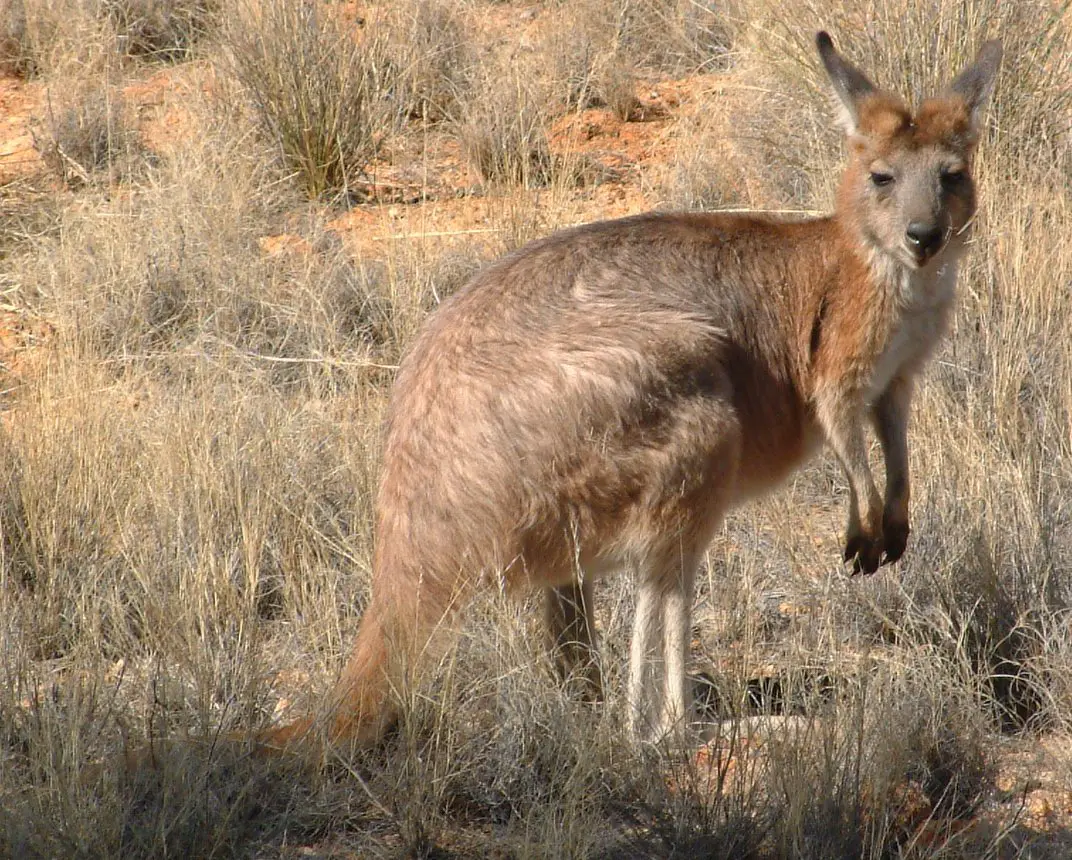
[918,259]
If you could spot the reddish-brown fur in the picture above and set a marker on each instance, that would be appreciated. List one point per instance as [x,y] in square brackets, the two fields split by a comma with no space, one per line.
[599,399]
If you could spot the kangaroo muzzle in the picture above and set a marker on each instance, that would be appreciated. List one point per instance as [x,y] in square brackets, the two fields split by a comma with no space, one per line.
[924,240]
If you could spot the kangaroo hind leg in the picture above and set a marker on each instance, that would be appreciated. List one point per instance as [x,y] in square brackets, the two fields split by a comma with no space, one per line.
[572,635]
[659,701]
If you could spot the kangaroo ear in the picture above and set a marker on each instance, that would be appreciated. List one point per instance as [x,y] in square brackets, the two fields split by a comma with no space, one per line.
[850,84]
[976,83]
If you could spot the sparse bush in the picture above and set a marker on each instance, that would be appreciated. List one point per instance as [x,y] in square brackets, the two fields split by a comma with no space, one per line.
[431,49]
[88,132]
[161,29]
[325,98]
[503,132]
[39,37]
[616,87]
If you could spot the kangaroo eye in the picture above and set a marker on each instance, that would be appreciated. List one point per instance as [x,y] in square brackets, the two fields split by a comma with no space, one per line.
[951,178]
[881,180]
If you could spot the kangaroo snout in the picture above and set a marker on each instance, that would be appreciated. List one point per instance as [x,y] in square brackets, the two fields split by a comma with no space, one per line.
[924,239]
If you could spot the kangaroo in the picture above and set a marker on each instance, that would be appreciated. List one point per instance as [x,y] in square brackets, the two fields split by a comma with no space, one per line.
[598,400]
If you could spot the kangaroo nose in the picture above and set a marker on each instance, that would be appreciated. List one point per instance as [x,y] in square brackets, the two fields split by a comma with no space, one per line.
[924,239]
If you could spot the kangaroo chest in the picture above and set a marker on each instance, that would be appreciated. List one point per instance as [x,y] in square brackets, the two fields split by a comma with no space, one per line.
[918,327]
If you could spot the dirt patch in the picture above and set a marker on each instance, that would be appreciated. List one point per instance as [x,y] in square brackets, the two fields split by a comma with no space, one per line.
[162,104]
[18,156]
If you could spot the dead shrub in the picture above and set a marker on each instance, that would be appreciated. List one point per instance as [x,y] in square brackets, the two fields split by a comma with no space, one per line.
[503,132]
[160,29]
[88,134]
[429,44]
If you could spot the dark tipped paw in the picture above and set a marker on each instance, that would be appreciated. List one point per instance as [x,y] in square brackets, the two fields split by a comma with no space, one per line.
[895,539]
[865,554]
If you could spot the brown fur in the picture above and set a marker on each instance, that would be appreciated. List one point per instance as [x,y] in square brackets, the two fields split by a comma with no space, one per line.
[597,401]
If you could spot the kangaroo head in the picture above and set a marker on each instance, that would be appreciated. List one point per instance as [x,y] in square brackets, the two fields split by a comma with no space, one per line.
[908,191]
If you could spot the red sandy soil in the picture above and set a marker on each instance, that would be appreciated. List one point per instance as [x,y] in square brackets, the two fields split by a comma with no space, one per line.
[18,100]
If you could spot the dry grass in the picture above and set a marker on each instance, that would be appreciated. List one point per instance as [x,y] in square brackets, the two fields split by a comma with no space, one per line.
[592,51]
[161,29]
[44,37]
[189,463]
[503,132]
[674,36]
[29,213]
[698,175]
[324,97]
[429,45]
[87,133]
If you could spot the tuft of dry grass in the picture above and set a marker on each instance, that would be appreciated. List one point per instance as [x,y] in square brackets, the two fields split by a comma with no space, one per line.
[87,134]
[428,43]
[325,98]
[616,87]
[504,132]
[161,29]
